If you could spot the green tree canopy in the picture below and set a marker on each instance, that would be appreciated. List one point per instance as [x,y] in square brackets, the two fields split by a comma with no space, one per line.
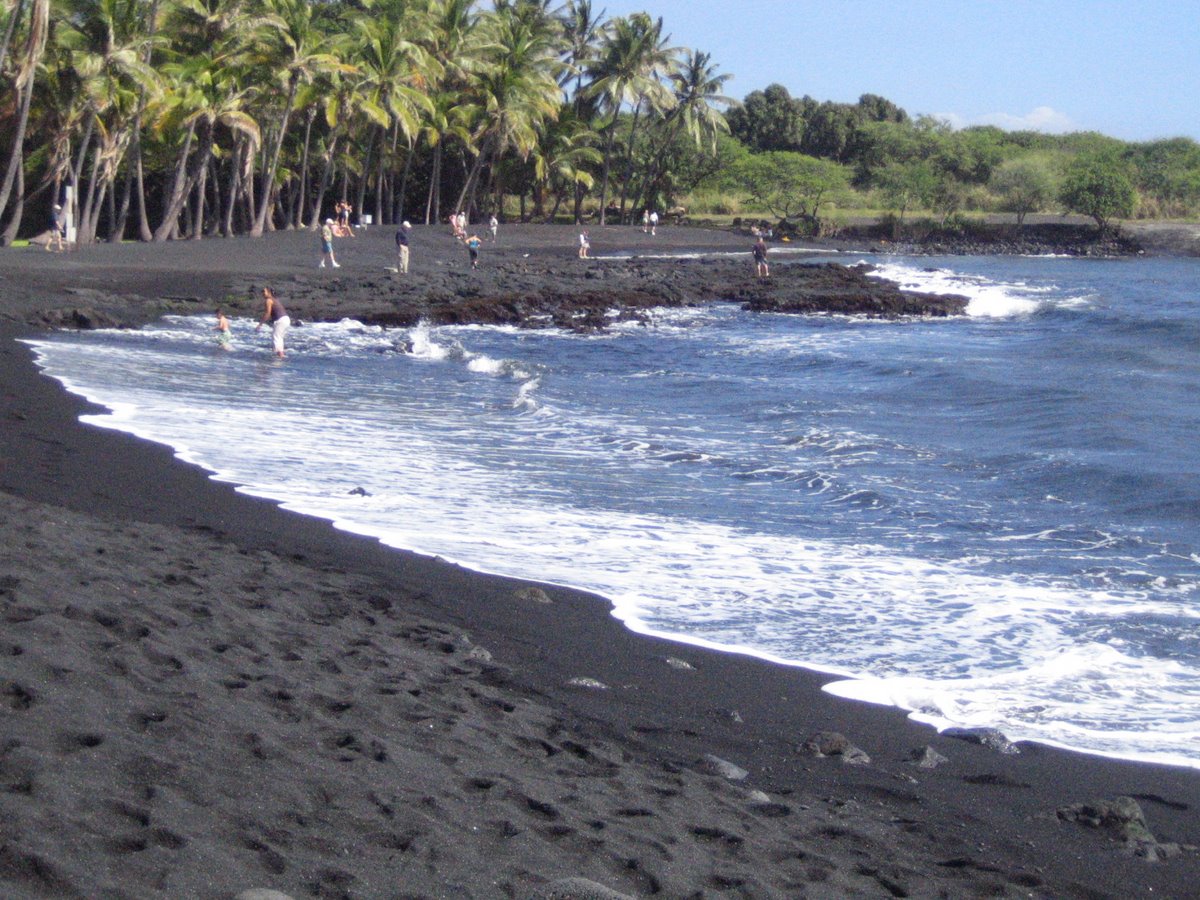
[1025,184]
[790,185]
[1098,185]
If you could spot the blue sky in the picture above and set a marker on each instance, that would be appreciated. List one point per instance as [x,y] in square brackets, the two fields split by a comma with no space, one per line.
[1126,69]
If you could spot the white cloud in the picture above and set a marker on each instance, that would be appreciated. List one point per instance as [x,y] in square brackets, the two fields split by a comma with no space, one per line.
[1044,118]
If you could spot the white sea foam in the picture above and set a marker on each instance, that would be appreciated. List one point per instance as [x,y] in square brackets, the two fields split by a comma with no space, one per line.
[426,434]
[986,298]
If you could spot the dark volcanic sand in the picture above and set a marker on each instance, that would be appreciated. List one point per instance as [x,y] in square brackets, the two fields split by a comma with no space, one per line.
[201,694]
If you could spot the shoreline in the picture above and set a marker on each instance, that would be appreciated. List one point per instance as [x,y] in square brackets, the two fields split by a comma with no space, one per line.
[503,772]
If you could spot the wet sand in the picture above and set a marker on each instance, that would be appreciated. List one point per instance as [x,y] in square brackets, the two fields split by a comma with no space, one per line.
[203,694]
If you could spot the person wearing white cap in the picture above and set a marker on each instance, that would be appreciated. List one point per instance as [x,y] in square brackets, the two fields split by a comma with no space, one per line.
[327,244]
[58,228]
[402,248]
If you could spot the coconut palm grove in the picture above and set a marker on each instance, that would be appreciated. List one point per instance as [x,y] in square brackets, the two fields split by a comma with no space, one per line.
[155,120]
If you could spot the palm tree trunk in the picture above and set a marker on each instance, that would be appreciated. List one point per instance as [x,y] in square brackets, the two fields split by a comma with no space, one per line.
[13,18]
[235,178]
[214,178]
[379,178]
[201,196]
[637,112]
[434,202]
[468,187]
[608,145]
[16,157]
[179,190]
[120,214]
[326,180]
[260,223]
[14,221]
[364,177]
[398,210]
[84,226]
[298,221]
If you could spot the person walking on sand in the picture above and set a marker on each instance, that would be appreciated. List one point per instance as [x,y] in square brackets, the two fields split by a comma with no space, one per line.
[653,222]
[224,338]
[473,244]
[327,244]
[584,244]
[58,229]
[402,248]
[278,317]
[493,226]
[645,221]
[760,259]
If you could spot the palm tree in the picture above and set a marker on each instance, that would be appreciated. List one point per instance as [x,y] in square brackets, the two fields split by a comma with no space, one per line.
[206,94]
[294,50]
[697,88]
[517,87]
[581,33]
[562,161]
[395,70]
[31,55]
[633,58]
[105,44]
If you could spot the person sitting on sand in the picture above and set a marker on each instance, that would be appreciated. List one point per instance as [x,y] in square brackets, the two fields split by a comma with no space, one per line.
[584,244]
[327,244]
[473,244]
[278,317]
[760,259]
[224,338]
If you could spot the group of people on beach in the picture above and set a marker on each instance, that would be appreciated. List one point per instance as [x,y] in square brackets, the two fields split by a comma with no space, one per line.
[277,317]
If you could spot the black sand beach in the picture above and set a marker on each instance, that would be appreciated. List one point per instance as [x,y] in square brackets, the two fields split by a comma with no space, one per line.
[203,694]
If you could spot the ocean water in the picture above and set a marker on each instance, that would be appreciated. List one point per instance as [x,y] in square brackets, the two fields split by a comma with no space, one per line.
[989,521]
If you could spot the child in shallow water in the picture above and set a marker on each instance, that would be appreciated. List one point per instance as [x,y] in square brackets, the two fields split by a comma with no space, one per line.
[224,337]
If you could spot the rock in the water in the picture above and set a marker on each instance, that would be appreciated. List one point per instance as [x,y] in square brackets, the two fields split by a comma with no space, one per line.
[986,737]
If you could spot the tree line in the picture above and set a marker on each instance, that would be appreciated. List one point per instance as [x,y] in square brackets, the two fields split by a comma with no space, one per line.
[181,118]
[176,119]
[793,156]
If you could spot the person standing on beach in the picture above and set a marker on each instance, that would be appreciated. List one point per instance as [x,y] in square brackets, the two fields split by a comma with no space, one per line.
[58,229]
[224,338]
[278,317]
[493,226]
[402,248]
[584,244]
[645,221]
[653,222]
[327,244]
[760,259]
[473,244]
